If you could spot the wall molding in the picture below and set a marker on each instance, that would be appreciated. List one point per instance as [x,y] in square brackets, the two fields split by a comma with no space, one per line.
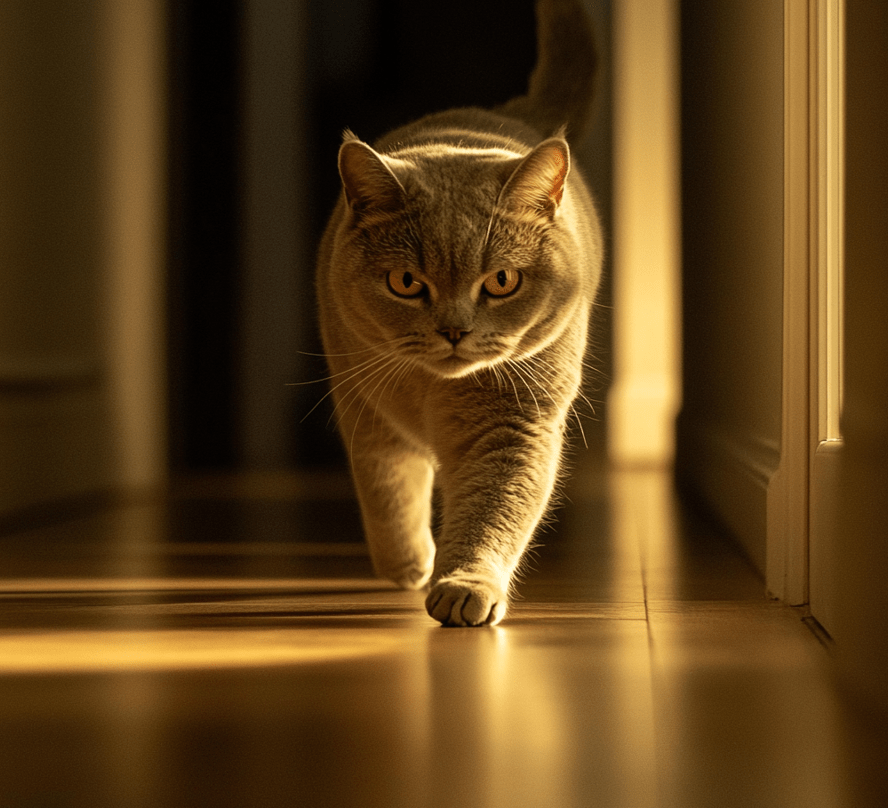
[731,472]
[54,446]
[787,564]
[36,374]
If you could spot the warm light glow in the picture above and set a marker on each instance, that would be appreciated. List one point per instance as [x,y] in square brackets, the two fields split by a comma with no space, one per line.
[830,230]
[223,585]
[134,193]
[187,649]
[644,526]
[644,398]
[110,648]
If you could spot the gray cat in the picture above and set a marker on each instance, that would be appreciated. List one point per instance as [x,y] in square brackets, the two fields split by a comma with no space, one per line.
[456,279]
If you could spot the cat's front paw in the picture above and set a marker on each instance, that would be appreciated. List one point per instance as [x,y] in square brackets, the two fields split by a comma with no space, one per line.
[455,602]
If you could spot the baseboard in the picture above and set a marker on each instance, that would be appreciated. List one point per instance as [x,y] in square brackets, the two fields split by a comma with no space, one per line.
[55,446]
[23,375]
[729,474]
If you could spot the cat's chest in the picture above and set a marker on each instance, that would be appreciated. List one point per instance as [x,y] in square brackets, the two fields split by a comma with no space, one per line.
[419,407]
[416,407]
[434,415]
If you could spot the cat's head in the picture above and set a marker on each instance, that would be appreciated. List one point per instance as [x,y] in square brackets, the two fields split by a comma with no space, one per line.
[460,258]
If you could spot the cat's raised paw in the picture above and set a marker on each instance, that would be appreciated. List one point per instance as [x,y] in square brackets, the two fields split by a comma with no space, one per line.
[407,572]
[415,577]
[460,603]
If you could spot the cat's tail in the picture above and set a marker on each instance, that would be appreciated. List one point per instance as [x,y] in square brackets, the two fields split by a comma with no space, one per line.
[562,85]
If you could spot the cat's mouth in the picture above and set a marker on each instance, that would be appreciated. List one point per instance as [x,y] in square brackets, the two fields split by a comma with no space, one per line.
[454,366]
[458,363]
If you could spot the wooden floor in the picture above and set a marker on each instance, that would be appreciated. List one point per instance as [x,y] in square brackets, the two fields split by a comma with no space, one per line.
[230,647]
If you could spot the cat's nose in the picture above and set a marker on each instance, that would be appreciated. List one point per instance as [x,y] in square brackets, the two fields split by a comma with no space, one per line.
[453,335]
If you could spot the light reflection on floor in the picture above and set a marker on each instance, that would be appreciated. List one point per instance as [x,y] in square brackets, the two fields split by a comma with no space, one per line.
[107,651]
[151,658]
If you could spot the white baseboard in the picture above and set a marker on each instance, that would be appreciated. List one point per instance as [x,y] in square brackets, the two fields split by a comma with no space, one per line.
[731,474]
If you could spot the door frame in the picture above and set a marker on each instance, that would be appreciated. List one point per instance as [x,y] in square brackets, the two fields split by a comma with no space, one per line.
[801,493]
[827,300]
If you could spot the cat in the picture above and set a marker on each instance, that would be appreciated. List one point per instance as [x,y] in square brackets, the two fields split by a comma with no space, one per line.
[455,281]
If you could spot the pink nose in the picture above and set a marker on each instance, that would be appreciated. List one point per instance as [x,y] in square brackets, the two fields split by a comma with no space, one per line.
[453,335]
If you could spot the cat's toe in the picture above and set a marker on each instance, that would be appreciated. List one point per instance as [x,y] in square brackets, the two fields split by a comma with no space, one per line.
[455,603]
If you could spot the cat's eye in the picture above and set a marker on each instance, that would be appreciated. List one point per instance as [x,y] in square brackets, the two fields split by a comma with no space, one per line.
[502,283]
[404,284]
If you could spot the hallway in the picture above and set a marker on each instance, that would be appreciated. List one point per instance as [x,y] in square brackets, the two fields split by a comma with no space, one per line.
[231,648]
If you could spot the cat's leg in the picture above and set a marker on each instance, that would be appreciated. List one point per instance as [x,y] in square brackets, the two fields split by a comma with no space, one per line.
[496,486]
[394,486]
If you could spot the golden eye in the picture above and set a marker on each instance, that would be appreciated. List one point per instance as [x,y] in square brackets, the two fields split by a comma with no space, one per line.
[403,284]
[502,283]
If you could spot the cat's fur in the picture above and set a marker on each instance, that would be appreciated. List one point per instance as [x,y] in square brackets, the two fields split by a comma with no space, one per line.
[440,374]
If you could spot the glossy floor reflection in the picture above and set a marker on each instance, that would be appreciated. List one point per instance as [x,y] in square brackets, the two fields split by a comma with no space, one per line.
[230,647]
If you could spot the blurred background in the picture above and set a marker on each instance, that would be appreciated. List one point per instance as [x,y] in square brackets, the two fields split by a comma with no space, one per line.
[166,170]
[260,93]
[166,167]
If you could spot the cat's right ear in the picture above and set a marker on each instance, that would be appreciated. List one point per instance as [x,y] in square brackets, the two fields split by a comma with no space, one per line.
[368,181]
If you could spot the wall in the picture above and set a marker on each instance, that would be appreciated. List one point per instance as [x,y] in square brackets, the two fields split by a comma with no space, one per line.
[861,530]
[731,439]
[79,365]
[729,428]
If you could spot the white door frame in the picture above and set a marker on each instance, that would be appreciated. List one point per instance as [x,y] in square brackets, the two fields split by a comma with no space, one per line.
[827,300]
[800,493]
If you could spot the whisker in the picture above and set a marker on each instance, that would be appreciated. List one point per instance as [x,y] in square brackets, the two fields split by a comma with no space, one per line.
[386,373]
[580,425]
[514,387]
[533,367]
[355,391]
[407,367]
[332,376]
[393,342]
[394,377]
[395,373]
[543,377]
[587,364]
[588,403]
[355,353]
[515,366]
[352,374]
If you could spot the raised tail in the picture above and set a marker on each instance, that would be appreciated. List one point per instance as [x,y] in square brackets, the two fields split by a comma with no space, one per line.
[562,86]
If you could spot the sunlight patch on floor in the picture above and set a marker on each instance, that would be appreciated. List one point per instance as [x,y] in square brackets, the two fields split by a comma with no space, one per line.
[188,649]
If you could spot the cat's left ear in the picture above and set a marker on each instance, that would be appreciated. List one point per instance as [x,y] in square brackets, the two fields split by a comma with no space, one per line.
[537,184]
